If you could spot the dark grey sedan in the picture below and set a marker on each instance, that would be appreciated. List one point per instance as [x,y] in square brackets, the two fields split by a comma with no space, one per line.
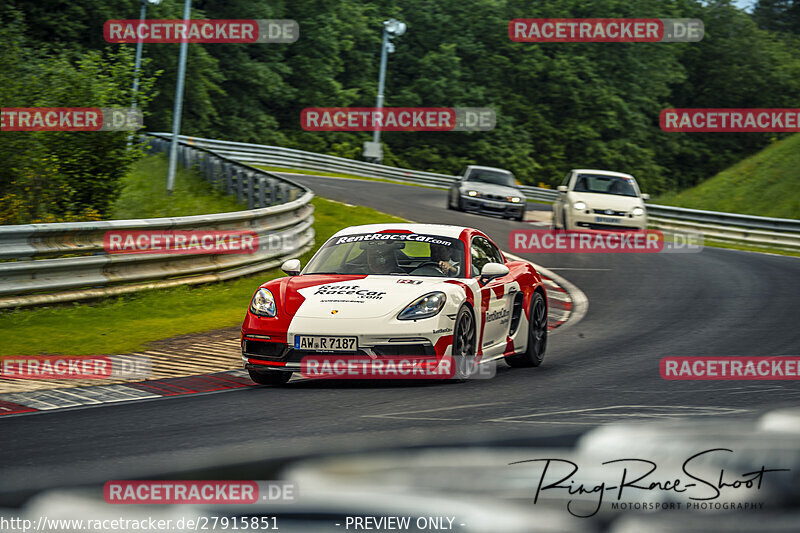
[487,190]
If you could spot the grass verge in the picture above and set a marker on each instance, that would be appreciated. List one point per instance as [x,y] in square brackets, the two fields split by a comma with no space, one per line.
[143,193]
[764,184]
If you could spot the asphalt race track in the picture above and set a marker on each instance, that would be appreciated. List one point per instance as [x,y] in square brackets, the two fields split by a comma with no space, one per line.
[642,307]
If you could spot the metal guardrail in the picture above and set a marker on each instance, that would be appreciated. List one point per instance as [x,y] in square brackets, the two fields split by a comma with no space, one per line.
[49,263]
[724,219]
[290,158]
[731,234]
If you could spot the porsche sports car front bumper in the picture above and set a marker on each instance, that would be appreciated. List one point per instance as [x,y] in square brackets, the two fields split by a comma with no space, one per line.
[376,338]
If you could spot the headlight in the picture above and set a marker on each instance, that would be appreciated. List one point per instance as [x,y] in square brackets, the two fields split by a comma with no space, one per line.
[423,307]
[514,199]
[263,304]
[580,206]
[472,193]
[637,211]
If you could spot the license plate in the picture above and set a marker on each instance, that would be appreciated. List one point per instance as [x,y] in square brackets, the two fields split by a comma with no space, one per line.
[325,343]
[494,205]
[606,220]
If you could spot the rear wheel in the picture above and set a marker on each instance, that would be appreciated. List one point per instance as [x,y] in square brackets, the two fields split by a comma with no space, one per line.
[537,336]
[269,377]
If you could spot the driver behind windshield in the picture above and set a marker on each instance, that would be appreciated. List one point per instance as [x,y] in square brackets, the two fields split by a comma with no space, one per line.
[382,258]
[446,258]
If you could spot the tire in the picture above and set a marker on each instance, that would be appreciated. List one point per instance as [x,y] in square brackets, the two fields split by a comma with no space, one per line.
[270,377]
[459,204]
[537,336]
[449,201]
[520,217]
[464,341]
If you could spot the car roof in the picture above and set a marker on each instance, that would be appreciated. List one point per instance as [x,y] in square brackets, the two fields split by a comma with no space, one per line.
[428,229]
[600,172]
[478,167]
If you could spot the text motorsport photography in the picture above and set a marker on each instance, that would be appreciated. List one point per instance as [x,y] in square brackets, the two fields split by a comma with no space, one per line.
[690,485]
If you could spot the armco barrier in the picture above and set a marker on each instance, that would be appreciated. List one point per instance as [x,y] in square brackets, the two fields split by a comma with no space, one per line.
[726,226]
[49,263]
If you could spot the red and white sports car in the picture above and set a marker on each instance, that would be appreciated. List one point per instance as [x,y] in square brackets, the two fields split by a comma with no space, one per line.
[397,290]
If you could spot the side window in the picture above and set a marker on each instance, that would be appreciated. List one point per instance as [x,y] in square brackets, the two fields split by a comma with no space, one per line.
[495,255]
[483,252]
[478,258]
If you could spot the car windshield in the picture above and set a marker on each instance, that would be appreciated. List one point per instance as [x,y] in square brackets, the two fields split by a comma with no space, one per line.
[601,184]
[401,254]
[491,176]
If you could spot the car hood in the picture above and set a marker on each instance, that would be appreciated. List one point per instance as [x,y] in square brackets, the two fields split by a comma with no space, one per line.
[606,201]
[491,188]
[362,297]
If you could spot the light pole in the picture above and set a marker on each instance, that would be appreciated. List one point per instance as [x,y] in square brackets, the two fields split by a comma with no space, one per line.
[178,106]
[391,28]
[138,63]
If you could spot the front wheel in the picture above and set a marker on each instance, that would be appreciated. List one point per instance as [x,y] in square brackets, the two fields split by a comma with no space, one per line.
[554,221]
[537,336]
[269,377]
[464,341]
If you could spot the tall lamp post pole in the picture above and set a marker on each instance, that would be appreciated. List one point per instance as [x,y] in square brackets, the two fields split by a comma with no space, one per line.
[138,62]
[391,28]
[178,106]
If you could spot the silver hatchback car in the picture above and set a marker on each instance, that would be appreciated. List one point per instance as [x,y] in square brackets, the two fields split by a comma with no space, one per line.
[488,190]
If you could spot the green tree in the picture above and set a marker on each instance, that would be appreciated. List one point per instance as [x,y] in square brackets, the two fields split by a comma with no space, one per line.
[53,176]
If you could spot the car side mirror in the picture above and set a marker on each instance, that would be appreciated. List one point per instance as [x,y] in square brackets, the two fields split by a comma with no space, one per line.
[645,197]
[291,267]
[491,271]
[563,188]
